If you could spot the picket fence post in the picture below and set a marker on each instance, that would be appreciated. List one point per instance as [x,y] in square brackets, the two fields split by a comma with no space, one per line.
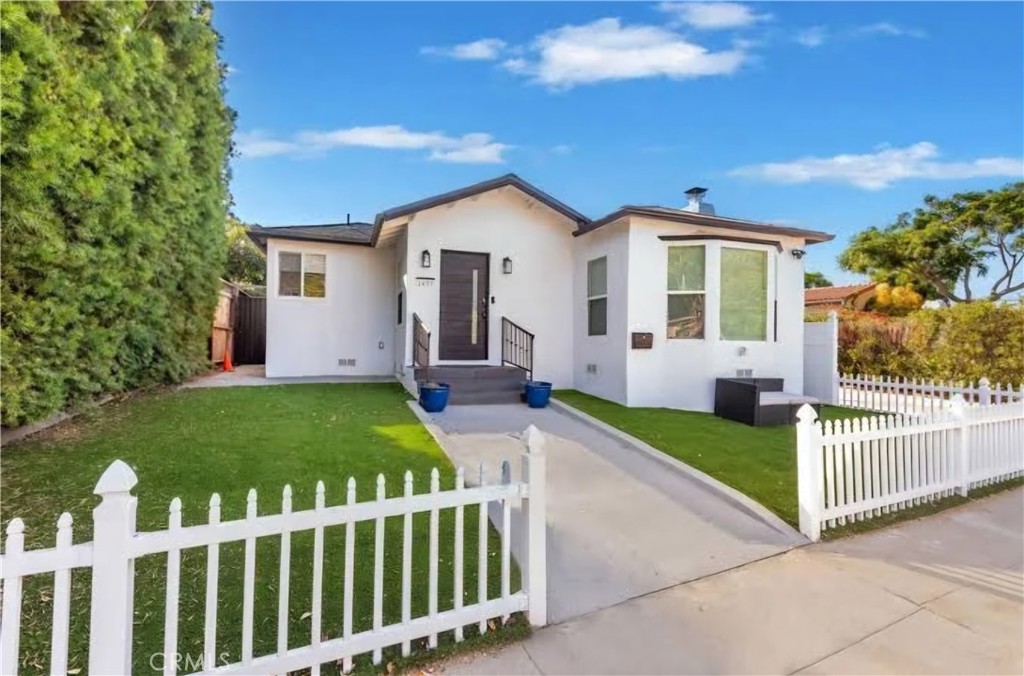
[808,462]
[984,392]
[958,407]
[113,572]
[534,509]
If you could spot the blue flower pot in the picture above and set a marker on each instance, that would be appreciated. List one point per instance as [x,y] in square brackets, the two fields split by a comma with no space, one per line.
[434,396]
[538,393]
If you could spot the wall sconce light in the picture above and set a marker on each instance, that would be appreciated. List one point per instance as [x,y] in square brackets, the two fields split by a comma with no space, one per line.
[506,265]
[425,259]
[798,253]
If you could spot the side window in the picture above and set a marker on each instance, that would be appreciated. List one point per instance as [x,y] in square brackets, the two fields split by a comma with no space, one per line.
[597,297]
[401,308]
[301,274]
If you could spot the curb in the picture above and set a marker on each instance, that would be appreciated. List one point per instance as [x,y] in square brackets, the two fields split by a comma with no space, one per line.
[738,499]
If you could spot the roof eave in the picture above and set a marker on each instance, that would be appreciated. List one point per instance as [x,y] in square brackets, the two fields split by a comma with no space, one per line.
[809,236]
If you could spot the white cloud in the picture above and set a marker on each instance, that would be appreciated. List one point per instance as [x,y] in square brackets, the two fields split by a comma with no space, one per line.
[877,170]
[476,148]
[487,49]
[561,149]
[814,36]
[712,15]
[892,30]
[606,50]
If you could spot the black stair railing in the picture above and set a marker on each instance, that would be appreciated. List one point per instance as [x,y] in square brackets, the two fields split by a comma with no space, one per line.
[420,343]
[516,346]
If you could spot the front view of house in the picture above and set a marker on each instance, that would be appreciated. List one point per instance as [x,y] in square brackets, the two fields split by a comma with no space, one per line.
[645,306]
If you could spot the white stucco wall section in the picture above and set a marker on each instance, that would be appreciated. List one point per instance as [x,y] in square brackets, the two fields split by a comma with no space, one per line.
[307,336]
[680,373]
[538,295]
[599,367]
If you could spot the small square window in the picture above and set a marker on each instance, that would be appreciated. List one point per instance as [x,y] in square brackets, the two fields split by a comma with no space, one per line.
[302,275]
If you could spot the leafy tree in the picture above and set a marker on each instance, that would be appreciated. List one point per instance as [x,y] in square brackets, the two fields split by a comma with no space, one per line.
[896,300]
[246,264]
[949,245]
[113,164]
[815,280]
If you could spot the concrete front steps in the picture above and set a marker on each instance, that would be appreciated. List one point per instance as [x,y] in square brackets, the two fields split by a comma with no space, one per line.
[477,384]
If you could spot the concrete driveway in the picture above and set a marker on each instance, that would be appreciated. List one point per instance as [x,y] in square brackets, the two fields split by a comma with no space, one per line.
[941,595]
[620,525]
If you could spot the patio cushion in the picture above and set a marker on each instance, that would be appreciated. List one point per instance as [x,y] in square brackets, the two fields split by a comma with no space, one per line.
[783,398]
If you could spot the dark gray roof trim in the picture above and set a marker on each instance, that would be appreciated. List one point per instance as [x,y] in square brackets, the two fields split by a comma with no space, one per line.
[680,216]
[359,234]
[477,189]
[723,238]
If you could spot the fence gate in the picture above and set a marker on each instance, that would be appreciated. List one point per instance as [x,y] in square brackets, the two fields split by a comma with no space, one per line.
[250,346]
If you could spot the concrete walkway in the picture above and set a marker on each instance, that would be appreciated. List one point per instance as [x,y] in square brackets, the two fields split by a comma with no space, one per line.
[619,524]
[944,594]
[254,375]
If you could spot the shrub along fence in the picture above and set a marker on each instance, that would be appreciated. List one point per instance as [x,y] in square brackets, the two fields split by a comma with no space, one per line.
[116,545]
[856,469]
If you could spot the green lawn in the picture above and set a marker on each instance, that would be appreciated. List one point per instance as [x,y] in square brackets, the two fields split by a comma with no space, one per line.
[757,461]
[196,442]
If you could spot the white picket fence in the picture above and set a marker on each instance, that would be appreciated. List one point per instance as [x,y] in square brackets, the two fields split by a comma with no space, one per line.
[903,395]
[116,545]
[855,469]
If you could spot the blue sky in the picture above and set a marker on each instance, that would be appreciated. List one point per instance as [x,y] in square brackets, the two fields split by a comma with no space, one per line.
[830,116]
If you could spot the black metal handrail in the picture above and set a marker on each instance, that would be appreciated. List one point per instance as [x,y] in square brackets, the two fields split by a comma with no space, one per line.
[516,346]
[420,343]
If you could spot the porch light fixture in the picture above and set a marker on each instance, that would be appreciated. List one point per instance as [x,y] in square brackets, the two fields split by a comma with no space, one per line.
[425,259]
[506,265]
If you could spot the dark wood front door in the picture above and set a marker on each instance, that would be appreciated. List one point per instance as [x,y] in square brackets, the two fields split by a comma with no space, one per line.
[464,305]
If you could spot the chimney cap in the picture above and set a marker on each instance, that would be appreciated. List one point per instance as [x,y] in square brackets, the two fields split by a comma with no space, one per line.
[696,191]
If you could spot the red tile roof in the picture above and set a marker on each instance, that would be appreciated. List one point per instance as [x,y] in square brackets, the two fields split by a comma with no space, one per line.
[828,295]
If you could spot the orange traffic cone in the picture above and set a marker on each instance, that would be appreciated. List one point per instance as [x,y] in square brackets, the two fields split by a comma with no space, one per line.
[228,366]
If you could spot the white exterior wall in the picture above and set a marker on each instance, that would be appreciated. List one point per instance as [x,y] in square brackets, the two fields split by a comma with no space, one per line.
[403,331]
[608,352]
[307,336]
[538,295]
[680,373]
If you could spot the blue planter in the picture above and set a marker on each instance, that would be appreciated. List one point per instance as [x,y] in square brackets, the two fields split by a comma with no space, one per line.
[434,397]
[538,393]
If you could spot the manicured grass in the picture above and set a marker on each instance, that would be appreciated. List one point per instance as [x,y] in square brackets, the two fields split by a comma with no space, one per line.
[193,443]
[757,461]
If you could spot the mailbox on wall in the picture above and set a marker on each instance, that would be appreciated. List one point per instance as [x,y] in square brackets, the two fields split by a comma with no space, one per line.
[643,341]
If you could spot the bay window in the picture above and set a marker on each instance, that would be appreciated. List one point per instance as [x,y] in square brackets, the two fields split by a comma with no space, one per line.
[686,292]
[744,287]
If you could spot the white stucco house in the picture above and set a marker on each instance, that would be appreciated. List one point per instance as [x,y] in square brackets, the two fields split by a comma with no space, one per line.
[645,306]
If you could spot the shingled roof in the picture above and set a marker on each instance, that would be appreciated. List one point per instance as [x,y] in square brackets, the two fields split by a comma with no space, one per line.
[337,233]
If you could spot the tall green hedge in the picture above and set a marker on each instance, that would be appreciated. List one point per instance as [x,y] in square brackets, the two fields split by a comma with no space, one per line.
[115,143]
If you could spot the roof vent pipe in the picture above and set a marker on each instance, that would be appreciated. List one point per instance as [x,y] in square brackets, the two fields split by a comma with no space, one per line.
[348,219]
[695,202]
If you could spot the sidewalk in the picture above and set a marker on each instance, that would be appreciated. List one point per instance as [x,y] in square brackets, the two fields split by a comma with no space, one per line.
[944,594]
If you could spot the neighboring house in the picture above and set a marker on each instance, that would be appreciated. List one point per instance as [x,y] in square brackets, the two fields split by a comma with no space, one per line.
[828,298]
[644,306]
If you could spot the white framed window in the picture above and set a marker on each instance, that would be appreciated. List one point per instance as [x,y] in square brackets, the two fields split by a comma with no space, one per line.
[597,297]
[301,274]
[686,292]
[743,310]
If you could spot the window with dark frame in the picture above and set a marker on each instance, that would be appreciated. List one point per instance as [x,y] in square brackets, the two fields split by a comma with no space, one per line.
[597,297]
[401,308]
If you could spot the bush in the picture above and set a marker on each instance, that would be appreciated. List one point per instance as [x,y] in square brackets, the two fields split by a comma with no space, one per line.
[115,139]
[965,342]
